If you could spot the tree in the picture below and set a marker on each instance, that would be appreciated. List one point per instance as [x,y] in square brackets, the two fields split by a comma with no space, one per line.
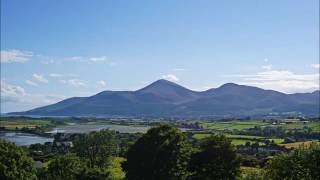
[14,162]
[252,174]
[92,174]
[162,153]
[216,159]
[302,163]
[312,161]
[286,166]
[65,167]
[96,147]
[114,169]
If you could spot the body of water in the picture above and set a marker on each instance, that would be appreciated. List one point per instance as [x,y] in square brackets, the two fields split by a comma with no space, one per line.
[86,128]
[23,139]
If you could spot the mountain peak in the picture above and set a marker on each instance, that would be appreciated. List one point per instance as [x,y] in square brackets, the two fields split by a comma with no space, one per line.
[168,90]
[166,98]
[160,85]
[163,81]
[230,85]
[224,87]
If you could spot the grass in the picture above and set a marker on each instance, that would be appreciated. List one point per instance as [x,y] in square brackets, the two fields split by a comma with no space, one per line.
[315,126]
[231,125]
[241,125]
[243,136]
[234,141]
[277,140]
[242,142]
[242,139]
[300,144]
[251,173]
[21,123]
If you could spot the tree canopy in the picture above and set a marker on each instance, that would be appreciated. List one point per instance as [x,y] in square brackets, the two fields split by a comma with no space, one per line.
[14,162]
[96,147]
[162,153]
[216,159]
[303,163]
[65,167]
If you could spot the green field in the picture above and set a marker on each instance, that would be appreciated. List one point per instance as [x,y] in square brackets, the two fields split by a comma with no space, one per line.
[21,123]
[231,125]
[300,144]
[242,125]
[248,172]
[242,139]
[315,126]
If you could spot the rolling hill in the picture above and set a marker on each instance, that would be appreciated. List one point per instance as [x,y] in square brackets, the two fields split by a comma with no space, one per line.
[167,99]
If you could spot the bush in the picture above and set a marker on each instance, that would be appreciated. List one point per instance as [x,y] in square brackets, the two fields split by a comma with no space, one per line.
[14,162]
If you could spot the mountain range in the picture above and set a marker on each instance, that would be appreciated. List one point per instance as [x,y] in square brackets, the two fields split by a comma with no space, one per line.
[164,98]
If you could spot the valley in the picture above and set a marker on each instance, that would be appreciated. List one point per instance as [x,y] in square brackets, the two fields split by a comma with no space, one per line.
[239,131]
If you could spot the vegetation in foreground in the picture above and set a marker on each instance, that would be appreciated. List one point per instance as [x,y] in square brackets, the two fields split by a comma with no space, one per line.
[164,152]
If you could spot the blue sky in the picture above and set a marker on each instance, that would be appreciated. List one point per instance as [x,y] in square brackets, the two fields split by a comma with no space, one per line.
[51,50]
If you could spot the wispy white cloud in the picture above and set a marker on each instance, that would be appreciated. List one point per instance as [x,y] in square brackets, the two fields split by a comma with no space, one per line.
[98,59]
[316,66]
[50,61]
[170,77]
[73,82]
[102,59]
[179,69]
[267,67]
[58,75]
[281,80]
[102,83]
[55,75]
[36,78]
[14,55]
[31,83]
[11,90]
[39,78]
[76,58]
[15,98]
[265,59]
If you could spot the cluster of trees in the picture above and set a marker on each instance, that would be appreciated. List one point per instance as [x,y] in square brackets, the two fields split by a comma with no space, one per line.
[299,134]
[93,156]
[164,152]
[303,163]
[14,162]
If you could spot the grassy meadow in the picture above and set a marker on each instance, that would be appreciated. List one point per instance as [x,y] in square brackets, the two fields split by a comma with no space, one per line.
[242,139]
[24,123]
[296,145]
[232,125]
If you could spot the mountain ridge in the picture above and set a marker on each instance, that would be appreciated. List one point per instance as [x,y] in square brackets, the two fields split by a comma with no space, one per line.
[164,98]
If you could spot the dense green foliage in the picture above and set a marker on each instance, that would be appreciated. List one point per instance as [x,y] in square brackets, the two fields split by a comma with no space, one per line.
[216,159]
[93,174]
[96,148]
[64,167]
[300,164]
[162,153]
[114,169]
[14,162]
[252,174]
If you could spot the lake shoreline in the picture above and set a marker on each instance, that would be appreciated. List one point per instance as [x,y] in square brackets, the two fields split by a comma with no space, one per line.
[23,138]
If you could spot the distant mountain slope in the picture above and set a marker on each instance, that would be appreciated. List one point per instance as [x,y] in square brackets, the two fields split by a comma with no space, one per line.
[165,98]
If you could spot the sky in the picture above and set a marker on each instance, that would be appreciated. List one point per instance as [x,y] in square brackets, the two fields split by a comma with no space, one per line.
[52,50]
